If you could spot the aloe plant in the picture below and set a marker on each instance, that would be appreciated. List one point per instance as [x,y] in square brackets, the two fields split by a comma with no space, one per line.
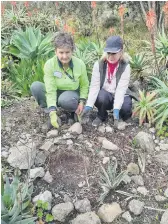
[161,102]
[144,107]
[110,180]
[15,202]
[31,44]
[138,64]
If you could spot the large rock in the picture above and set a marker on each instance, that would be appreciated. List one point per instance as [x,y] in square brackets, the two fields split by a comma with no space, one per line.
[164,147]
[127,216]
[121,125]
[164,219]
[45,197]
[145,141]
[133,169]
[86,218]
[108,212]
[37,172]
[83,206]
[109,145]
[101,129]
[136,206]
[61,211]
[166,193]
[52,133]
[142,190]
[162,158]
[48,178]
[76,128]
[22,156]
[160,198]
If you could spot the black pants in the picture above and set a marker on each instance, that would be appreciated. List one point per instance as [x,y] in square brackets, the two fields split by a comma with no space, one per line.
[105,101]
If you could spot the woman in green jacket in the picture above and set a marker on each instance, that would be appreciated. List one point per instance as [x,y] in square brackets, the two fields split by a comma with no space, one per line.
[65,80]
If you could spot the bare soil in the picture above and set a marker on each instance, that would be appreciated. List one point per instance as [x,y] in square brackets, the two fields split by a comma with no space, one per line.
[73,164]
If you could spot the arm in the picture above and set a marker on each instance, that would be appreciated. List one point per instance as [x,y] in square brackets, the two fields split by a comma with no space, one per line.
[84,83]
[122,88]
[94,86]
[50,85]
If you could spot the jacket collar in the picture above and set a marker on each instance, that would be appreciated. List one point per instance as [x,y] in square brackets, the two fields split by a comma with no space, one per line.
[71,65]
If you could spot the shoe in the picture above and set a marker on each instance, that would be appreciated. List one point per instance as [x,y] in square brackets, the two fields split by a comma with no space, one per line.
[96,122]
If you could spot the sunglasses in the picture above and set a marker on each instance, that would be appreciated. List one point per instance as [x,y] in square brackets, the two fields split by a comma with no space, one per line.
[109,53]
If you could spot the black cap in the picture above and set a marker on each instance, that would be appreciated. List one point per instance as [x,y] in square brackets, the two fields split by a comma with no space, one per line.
[114,44]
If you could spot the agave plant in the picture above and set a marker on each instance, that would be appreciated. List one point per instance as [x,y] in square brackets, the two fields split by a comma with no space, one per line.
[138,64]
[161,102]
[31,44]
[110,180]
[15,202]
[144,107]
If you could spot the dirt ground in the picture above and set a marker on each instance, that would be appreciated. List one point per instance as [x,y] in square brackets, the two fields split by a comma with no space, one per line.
[73,164]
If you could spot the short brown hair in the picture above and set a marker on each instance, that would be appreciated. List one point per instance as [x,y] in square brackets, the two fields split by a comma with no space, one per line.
[62,40]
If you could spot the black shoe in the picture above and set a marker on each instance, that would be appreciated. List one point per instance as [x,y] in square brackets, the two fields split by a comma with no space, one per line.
[96,122]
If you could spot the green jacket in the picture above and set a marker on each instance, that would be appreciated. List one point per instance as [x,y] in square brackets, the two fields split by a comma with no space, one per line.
[56,79]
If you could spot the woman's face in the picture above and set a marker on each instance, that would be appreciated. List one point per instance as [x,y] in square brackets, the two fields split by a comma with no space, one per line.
[114,57]
[64,55]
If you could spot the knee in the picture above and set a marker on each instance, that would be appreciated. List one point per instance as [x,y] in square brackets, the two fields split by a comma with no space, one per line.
[36,87]
[69,103]
[102,98]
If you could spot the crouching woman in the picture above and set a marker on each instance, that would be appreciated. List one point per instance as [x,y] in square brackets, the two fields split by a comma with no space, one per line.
[109,84]
[65,81]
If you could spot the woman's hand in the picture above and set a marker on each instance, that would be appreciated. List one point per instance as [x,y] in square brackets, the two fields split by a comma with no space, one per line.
[80,108]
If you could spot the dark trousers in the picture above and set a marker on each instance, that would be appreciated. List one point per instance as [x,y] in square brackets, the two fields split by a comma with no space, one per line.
[105,101]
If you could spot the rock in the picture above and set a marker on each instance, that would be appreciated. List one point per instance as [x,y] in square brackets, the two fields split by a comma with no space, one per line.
[37,172]
[156,141]
[160,198]
[48,178]
[153,137]
[108,212]
[86,218]
[121,125]
[45,197]
[52,133]
[22,156]
[162,158]
[157,148]
[142,190]
[106,160]
[61,211]
[166,193]
[109,129]
[100,139]
[136,206]
[80,137]
[127,216]
[81,184]
[88,143]
[164,147]
[109,145]
[101,154]
[164,219]
[138,180]
[40,158]
[126,179]
[101,129]
[4,154]
[69,142]
[152,130]
[145,141]
[133,169]
[76,128]
[83,206]
[47,145]
[67,198]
